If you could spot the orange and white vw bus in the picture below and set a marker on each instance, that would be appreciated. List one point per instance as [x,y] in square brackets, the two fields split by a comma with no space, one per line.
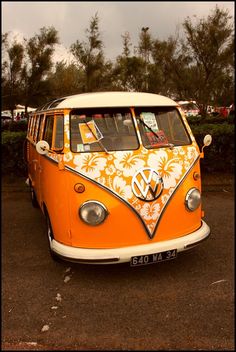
[117,175]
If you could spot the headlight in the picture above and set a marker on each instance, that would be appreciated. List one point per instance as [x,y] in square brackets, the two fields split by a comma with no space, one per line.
[93,212]
[193,199]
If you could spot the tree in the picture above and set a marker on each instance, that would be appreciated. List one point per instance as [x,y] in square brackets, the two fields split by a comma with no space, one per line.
[163,67]
[4,48]
[90,57]
[66,80]
[38,64]
[209,43]
[132,72]
[129,74]
[126,44]
[11,70]
[122,67]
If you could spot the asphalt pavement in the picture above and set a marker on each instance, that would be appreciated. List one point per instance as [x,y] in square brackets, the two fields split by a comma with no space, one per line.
[183,304]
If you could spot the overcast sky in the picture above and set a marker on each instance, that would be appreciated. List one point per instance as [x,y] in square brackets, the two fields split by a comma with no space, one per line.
[71,19]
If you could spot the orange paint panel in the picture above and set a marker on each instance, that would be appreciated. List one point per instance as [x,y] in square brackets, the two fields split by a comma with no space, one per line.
[54,196]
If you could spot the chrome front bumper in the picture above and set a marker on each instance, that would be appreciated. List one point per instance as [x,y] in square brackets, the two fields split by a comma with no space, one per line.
[124,254]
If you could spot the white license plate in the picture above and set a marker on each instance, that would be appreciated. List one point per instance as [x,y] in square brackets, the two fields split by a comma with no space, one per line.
[153,258]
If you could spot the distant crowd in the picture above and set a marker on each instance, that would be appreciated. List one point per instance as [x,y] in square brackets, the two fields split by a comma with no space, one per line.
[21,116]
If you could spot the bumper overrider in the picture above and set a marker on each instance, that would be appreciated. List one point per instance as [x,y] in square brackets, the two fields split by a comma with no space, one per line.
[124,254]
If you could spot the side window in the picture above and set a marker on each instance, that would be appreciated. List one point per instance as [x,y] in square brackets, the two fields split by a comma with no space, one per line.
[38,137]
[36,129]
[59,132]
[32,132]
[29,125]
[48,130]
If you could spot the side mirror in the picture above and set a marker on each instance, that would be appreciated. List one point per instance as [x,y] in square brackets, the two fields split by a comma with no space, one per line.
[207,140]
[42,147]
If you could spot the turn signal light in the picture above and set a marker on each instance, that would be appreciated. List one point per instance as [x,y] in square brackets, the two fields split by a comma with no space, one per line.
[196,176]
[79,188]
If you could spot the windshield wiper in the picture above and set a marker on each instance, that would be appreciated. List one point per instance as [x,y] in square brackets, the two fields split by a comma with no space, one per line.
[171,145]
[94,135]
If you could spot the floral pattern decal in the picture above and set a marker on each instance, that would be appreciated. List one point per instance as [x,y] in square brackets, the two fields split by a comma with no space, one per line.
[169,169]
[90,165]
[128,163]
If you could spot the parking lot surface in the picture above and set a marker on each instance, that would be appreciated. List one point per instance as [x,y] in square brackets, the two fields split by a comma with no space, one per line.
[183,304]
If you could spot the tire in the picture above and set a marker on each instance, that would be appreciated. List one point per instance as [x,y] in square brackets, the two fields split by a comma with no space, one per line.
[33,197]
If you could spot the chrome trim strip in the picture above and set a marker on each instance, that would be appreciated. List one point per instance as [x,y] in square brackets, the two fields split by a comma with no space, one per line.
[51,159]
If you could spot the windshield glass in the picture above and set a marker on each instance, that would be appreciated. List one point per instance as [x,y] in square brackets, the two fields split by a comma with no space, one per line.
[99,129]
[161,126]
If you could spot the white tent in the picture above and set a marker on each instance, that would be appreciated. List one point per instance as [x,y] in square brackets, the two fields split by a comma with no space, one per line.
[20,108]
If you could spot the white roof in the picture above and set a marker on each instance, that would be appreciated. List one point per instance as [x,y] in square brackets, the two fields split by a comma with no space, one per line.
[111,99]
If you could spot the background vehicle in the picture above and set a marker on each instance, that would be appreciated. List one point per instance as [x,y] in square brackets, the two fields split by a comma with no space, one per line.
[190,108]
[5,119]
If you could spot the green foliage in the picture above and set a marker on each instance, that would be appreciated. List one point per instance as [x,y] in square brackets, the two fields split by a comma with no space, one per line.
[196,120]
[209,45]
[15,126]
[39,49]
[129,73]
[25,68]
[126,44]
[66,80]
[163,71]
[12,72]
[12,152]
[219,156]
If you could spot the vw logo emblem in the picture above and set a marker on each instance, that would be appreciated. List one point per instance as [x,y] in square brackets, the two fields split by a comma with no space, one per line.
[147,184]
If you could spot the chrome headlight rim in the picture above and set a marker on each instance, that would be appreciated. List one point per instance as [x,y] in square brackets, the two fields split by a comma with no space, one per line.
[188,196]
[92,203]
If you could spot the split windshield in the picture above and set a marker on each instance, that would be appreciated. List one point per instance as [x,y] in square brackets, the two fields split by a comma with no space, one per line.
[102,128]
[161,126]
[111,129]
